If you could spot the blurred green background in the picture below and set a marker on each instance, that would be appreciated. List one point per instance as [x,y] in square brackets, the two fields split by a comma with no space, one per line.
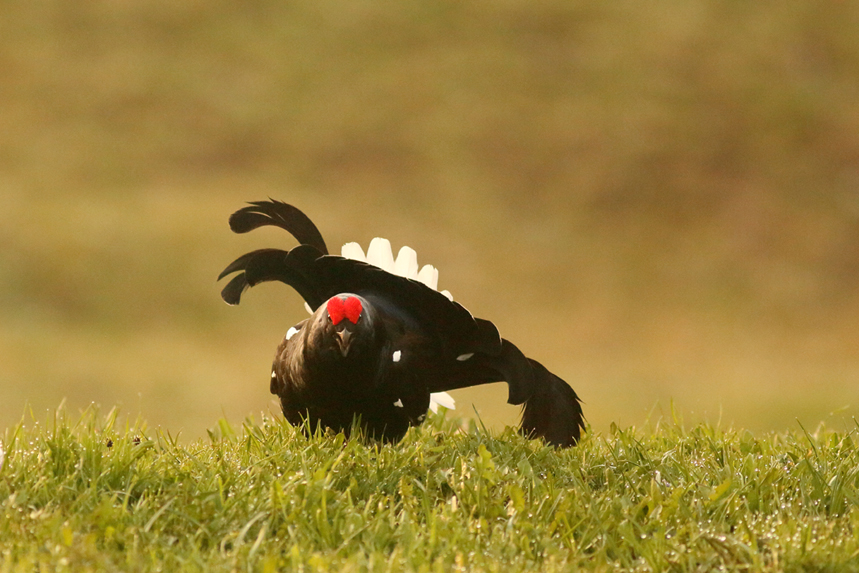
[659,201]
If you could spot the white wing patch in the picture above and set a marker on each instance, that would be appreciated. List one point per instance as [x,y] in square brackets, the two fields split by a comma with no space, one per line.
[291,332]
[464,357]
[273,375]
[398,403]
[397,355]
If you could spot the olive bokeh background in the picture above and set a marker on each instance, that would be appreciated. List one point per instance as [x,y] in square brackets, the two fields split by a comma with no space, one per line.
[659,202]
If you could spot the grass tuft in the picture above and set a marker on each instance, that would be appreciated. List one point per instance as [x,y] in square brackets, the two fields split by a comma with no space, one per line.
[87,493]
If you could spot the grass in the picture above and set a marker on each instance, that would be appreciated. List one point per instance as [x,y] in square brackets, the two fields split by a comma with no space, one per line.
[89,493]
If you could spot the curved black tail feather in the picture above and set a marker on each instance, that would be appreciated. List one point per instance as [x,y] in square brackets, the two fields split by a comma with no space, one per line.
[289,267]
[278,214]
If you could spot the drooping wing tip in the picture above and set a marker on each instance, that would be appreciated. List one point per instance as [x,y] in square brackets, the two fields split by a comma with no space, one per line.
[554,411]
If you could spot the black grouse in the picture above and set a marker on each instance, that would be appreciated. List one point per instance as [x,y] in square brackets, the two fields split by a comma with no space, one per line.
[378,344]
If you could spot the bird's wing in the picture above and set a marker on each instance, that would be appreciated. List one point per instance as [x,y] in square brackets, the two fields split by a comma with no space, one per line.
[278,214]
[509,365]
[551,408]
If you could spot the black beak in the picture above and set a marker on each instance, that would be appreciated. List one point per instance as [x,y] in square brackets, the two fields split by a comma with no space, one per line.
[344,341]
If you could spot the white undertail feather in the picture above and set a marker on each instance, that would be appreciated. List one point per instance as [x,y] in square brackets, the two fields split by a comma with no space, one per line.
[353,251]
[442,399]
[380,254]
[429,276]
[405,265]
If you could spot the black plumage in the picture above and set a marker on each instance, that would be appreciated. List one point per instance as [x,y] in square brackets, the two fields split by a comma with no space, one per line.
[377,344]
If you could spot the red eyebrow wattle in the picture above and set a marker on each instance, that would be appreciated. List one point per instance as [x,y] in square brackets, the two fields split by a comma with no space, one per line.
[353,308]
[349,308]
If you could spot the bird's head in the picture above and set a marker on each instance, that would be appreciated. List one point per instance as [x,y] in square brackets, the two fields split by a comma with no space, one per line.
[348,321]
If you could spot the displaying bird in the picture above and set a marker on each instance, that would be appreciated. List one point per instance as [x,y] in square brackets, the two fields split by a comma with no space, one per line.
[381,340]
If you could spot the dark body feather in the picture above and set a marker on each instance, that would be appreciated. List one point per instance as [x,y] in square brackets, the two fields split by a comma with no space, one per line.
[410,341]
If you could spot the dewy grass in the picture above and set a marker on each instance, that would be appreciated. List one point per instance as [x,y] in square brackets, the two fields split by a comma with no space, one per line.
[89,494]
